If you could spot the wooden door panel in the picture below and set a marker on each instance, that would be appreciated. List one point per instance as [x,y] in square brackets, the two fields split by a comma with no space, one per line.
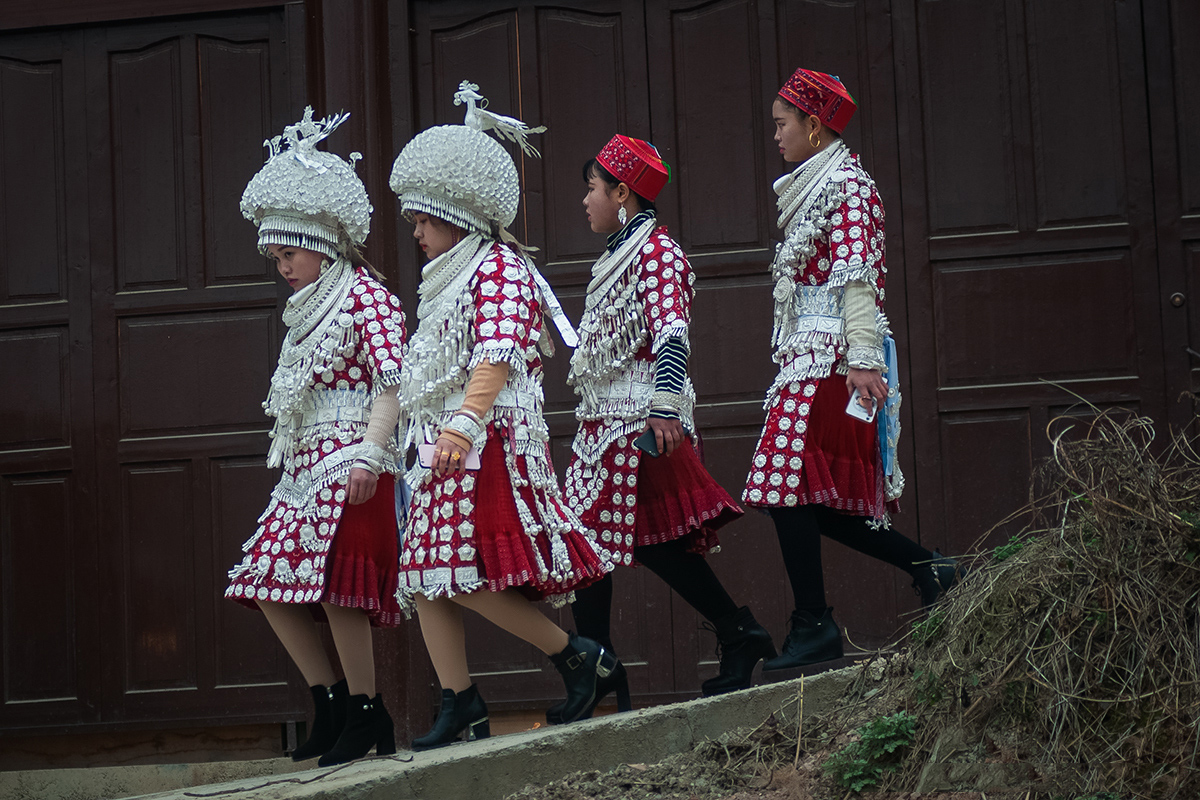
[237,75]
[588,88]
[157,572]
[48,617]
[147,170]
[715,131]
[1058,318]
[1037,243]
[32,229]
[216,364]
[968,125]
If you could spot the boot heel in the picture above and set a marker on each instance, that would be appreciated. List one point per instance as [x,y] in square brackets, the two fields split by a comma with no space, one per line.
[479,729]
[623,701]
[386,745]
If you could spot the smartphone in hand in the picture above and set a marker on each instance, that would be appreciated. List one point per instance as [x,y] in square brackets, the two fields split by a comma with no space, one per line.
[856,410]
[425,456]
[647,443]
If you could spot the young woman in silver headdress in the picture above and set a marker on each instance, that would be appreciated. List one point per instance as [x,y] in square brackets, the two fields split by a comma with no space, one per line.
[487,529]
[326,546]
[818,469]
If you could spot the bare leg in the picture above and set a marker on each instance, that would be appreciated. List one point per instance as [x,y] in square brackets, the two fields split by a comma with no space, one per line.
[352,635]
[512,612]
[297,631]
[442,628]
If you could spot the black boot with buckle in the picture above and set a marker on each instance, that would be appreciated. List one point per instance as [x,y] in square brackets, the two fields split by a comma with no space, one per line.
[810,640]
[368,725]
[464,711]
[583,664]
[617,681]
[329,717]
[742,643]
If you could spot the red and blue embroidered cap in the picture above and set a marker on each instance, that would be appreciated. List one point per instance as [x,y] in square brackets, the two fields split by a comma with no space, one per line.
[636,163]
[822,95]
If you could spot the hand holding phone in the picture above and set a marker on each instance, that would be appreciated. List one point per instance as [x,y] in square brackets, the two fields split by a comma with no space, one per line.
[425,456]
[855,409]
[647,443]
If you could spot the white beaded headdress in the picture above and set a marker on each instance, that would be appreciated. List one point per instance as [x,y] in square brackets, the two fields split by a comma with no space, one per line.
[460,174]
[305,197]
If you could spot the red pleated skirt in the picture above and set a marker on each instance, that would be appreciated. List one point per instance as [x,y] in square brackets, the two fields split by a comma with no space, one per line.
[507,554]
[842,467]
[677,497]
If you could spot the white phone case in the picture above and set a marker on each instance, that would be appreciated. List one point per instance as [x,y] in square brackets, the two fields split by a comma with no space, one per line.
[425,456]
[854,409]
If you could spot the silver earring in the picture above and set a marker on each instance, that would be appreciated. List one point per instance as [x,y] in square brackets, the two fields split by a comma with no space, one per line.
[622,215]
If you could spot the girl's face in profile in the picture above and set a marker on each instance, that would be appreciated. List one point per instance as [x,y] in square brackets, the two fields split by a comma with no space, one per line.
[436,236]
[792,131]
[601,204]
[298,266]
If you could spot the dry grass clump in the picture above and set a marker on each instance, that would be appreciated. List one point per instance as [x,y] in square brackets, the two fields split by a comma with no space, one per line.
[1078,645]
[1068,661]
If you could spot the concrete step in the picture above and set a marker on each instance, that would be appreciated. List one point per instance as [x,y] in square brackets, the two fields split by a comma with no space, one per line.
[484,770]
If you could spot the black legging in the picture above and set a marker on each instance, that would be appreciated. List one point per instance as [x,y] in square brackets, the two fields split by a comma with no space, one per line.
[800,529]
[687,573]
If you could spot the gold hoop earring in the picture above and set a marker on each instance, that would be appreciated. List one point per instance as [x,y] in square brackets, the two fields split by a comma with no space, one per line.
[814,135]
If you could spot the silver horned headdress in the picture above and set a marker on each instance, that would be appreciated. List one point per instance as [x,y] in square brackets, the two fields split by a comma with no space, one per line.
[460,174]
[305,197]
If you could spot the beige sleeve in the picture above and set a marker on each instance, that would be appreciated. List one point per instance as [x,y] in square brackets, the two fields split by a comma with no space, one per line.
[487,379]
[865,344]
[385,410]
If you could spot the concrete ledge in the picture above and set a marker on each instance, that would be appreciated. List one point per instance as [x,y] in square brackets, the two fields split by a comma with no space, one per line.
[483,770]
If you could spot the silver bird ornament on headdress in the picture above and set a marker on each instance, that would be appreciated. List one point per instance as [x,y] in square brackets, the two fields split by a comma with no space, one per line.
[479,118]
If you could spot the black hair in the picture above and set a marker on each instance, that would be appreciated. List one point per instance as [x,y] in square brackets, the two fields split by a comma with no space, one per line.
[593,167]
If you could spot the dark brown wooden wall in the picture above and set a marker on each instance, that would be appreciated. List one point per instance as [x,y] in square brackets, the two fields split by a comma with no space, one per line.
[1038,163]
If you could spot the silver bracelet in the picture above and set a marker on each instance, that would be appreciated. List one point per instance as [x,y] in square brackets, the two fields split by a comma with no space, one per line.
[865,357]
[667,400]
[370,457]
[468,424]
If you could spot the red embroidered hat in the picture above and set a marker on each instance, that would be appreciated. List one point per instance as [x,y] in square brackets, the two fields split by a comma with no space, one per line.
[822,95]
[635,163]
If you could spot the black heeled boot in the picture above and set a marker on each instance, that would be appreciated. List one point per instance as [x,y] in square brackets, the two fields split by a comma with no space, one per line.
[811,639]
[329,718]
[617,681]
[583,663]
[742,643]
[463,711]
[368,724]
[934,579]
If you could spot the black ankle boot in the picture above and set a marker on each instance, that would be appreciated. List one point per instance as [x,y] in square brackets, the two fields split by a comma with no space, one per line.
[617,681]
[742,643]
[811,639]
[934,579]
[463,711]
[368,725]
[583,663]
[329,717]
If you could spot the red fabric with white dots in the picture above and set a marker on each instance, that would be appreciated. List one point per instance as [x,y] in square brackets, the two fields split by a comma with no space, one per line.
[490,528]
[810,450]
[289,554]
